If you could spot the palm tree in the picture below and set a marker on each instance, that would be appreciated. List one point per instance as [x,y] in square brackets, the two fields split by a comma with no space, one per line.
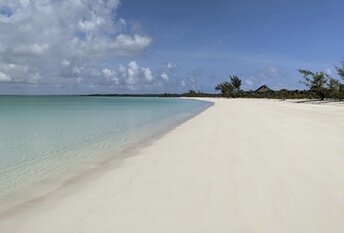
[236,83]
[231,88]
[224,87]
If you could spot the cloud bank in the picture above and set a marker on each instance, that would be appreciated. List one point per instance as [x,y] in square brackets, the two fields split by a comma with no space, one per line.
[67,42]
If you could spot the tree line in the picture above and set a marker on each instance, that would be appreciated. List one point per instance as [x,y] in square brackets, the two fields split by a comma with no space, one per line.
[320,85]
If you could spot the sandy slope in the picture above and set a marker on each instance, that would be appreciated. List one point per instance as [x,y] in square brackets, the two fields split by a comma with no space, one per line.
[242,166]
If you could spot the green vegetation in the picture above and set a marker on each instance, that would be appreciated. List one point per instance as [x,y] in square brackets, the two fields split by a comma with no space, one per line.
[316,82]
[231,88]
[340,70]
[321,85]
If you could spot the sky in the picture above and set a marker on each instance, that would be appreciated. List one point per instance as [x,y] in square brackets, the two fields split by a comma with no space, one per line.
[157,46]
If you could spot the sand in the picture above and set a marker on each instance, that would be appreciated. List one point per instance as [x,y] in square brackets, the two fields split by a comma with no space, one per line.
[242,166]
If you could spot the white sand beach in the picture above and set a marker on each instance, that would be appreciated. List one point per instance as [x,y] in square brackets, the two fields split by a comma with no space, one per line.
[242,166]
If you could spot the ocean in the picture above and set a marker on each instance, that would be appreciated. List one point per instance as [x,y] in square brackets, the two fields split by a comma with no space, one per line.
[45,137]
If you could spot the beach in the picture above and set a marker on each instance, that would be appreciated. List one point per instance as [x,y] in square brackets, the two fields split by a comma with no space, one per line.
[242,165]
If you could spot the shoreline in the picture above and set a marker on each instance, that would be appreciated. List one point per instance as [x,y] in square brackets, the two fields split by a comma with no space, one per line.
[90,169]
[241,165]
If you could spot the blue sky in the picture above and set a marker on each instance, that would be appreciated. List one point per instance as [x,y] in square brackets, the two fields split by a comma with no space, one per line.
[168,46]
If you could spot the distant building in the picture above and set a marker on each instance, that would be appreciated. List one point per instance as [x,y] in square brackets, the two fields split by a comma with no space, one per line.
[263,89]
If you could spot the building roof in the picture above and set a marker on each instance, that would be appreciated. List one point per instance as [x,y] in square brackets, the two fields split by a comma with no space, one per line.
[263,88]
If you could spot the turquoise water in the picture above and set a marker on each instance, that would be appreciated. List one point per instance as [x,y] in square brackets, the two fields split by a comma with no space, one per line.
[43,137]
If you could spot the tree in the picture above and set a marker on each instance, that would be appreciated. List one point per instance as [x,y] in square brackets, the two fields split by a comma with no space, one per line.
[340,70]
[334,88]
[231,88]
[224,87]
[236,83]
[191,93]
[316,82]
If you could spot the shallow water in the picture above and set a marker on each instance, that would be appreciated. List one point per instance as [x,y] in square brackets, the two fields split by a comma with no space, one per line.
[43,137]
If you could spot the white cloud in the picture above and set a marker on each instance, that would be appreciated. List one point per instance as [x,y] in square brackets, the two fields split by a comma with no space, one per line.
[30,49]
[89,25]
[131,43]
[57,42]
[164,76]
[167,70]
[132,73]
[131,76]
[148,74]
[110,76]
[170,65]
[107,73]
[5,77]
[20,73]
